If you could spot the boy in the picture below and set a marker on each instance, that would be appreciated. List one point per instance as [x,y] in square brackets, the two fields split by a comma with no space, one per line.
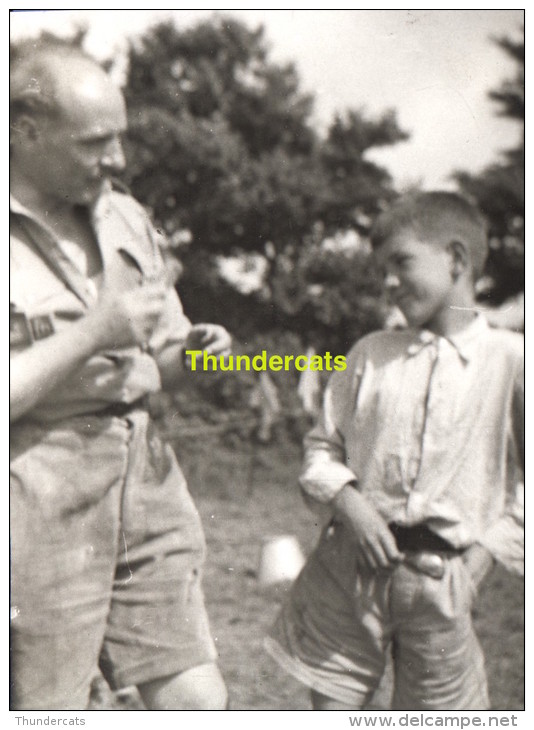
[413,455]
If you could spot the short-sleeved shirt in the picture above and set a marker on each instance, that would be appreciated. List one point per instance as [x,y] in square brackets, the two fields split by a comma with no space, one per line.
[48,292]
[106,544]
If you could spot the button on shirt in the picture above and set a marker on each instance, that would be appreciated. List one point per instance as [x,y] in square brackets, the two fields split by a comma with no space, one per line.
[48,292]
[431,429]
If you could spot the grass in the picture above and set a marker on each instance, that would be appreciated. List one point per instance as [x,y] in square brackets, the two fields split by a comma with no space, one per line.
[247,493]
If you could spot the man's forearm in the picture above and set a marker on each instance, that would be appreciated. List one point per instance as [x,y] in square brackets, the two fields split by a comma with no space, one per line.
[171,366]
[36,371]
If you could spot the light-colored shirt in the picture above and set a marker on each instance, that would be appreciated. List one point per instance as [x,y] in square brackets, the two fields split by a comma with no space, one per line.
[48,291]
[431,429]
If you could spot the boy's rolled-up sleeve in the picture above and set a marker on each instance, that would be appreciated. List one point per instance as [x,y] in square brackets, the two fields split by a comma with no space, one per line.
[505,540]
[325,470]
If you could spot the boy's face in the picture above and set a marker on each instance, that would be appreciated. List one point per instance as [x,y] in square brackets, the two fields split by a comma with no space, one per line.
[418,277]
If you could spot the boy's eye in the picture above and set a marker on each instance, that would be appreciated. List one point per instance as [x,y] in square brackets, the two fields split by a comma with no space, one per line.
[401,261]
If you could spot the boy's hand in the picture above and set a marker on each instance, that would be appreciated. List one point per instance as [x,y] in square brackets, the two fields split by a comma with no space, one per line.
[374,543]
[478,562]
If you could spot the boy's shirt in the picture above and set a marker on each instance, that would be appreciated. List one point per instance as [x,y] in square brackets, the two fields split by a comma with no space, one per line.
[432,430]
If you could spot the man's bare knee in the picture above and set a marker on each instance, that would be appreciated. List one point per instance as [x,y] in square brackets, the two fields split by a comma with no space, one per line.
[199,688]
[322,702]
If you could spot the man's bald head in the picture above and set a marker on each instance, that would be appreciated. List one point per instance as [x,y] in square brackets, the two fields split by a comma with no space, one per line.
[44,73]
[67,118]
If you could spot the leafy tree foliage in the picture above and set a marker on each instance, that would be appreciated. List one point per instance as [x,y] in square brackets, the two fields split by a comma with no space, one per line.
[221,143]
[500,189]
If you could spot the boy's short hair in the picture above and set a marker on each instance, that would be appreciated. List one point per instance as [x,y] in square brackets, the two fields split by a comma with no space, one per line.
[439,217]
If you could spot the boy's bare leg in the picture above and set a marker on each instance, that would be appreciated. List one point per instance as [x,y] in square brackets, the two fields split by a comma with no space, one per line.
[321,702]
[199,688]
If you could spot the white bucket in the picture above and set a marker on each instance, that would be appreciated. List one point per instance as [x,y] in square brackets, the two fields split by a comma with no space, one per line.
[281,559]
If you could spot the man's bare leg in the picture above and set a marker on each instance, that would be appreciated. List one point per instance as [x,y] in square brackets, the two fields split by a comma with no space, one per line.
[199,688]
[322,702]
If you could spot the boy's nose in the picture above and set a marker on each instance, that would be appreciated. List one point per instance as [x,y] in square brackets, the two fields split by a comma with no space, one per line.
[391,281]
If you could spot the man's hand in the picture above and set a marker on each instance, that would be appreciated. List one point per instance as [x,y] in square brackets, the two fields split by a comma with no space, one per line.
[212,339]
[123,319]
[119,319]
[374,543]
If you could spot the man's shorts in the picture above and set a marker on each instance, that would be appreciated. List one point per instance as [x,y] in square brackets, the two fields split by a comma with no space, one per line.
[338,625]
[107,551]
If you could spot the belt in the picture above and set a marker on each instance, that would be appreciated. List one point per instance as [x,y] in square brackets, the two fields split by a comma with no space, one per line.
[420,538]
[423,549]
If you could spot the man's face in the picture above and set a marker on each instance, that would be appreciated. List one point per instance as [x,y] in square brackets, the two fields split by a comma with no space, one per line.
[74,153]
[417,277]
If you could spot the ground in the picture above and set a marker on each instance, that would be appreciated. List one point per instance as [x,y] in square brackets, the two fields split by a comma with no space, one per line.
[245,494]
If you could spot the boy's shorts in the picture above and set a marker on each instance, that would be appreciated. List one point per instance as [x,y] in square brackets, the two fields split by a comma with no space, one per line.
[107,551]
[335,631]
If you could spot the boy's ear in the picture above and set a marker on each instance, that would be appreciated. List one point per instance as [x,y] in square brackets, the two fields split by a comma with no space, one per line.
[459,258]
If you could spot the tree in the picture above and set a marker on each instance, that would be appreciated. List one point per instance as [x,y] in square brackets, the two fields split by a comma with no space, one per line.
[221,143]
[499,189]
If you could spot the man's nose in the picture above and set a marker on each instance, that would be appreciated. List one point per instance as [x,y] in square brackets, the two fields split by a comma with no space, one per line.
[113,158]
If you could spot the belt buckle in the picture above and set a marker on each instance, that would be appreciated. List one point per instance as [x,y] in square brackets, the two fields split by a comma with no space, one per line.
[429,563]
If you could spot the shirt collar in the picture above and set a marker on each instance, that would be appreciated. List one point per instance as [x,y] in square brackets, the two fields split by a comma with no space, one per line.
[97,210]
[461,341]
[103,213]
[102,204]
[18,208]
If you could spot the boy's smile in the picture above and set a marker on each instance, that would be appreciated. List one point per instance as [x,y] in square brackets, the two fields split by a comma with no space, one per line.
[418,277]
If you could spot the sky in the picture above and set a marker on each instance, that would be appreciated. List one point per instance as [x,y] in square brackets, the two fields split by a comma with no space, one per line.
[434,67]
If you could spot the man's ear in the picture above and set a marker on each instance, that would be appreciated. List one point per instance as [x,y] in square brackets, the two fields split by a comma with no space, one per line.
[459,258]
[24,129]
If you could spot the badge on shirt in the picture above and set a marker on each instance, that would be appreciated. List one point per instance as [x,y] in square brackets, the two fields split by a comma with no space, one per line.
[19,329]
[41,326]
[23,330]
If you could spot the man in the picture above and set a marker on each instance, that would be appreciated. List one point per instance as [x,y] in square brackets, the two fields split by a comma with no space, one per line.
[107,546]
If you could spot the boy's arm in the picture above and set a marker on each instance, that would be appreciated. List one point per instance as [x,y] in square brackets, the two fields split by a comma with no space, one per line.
[505,539]
[479,561]
[328,483]
[325,471]
[374,545]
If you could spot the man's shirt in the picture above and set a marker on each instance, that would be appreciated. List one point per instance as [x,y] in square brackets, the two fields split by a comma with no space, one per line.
[431,429]
[48,292]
